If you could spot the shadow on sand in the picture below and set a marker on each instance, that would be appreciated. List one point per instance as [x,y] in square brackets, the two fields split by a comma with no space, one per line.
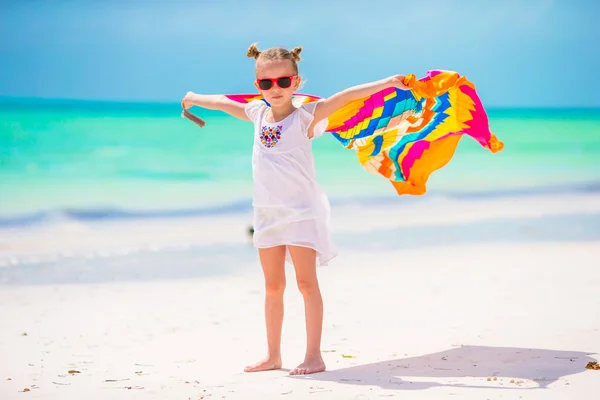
[526,368]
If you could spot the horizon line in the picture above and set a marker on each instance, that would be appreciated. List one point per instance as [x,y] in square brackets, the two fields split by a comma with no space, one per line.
[57,100]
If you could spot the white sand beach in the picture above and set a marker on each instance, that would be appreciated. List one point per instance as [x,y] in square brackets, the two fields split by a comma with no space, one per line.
[480,298]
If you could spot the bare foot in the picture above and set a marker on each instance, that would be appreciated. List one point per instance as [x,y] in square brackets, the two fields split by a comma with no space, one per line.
[309,366]
[268,364]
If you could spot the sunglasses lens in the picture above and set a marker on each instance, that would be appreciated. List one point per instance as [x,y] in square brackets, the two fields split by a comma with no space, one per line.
[265,84]
[284,82]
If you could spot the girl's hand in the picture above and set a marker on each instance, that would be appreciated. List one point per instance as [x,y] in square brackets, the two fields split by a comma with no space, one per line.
[186,102]
[398,82]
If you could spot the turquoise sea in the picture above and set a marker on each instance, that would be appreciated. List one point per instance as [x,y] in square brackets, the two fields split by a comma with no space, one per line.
[100,159]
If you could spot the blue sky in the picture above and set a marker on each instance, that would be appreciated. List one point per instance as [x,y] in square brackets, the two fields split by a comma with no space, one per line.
[518,53]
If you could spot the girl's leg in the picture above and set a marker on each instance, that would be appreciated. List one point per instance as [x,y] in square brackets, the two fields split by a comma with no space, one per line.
[305,264]
[273,265]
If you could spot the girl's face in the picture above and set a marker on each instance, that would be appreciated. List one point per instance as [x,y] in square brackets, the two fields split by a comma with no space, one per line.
[276,81]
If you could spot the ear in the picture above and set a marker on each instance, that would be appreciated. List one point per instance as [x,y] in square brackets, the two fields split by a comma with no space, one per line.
[256,86]
[297,81]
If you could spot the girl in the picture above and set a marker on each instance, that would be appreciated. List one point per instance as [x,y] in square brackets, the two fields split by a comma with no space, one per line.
[291,212]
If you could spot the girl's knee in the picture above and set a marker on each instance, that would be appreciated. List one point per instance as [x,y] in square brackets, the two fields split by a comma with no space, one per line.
[307,286]
[275,287]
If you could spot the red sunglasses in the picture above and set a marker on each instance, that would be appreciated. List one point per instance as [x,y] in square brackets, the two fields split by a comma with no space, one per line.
[283,82]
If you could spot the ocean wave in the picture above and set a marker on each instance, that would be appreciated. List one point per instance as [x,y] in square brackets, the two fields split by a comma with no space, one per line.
[245,205]
[97,214]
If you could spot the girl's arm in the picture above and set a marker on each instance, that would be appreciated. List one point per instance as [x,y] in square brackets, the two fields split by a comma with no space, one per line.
[215,102]
[328,106]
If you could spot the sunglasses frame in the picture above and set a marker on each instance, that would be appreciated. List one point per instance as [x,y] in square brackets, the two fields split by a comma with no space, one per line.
[275,81]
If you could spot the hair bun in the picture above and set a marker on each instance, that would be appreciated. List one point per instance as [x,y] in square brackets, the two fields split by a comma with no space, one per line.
[253,51]
[296,52]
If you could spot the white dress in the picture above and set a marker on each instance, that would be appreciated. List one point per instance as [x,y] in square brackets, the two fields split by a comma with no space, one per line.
[290,208]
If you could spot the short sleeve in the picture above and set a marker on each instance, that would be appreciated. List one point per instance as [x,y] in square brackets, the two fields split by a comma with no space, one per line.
[253,109]
[307,116]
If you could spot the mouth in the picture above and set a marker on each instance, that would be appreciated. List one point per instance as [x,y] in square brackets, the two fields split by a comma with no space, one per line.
[277,97]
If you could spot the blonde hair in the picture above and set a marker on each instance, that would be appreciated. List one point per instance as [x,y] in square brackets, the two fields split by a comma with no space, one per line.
[276,53]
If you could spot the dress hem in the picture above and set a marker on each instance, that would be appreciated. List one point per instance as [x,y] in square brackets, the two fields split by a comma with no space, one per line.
[288,258]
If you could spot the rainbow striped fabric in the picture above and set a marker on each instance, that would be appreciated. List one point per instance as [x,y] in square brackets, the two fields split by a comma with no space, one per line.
[406,135]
